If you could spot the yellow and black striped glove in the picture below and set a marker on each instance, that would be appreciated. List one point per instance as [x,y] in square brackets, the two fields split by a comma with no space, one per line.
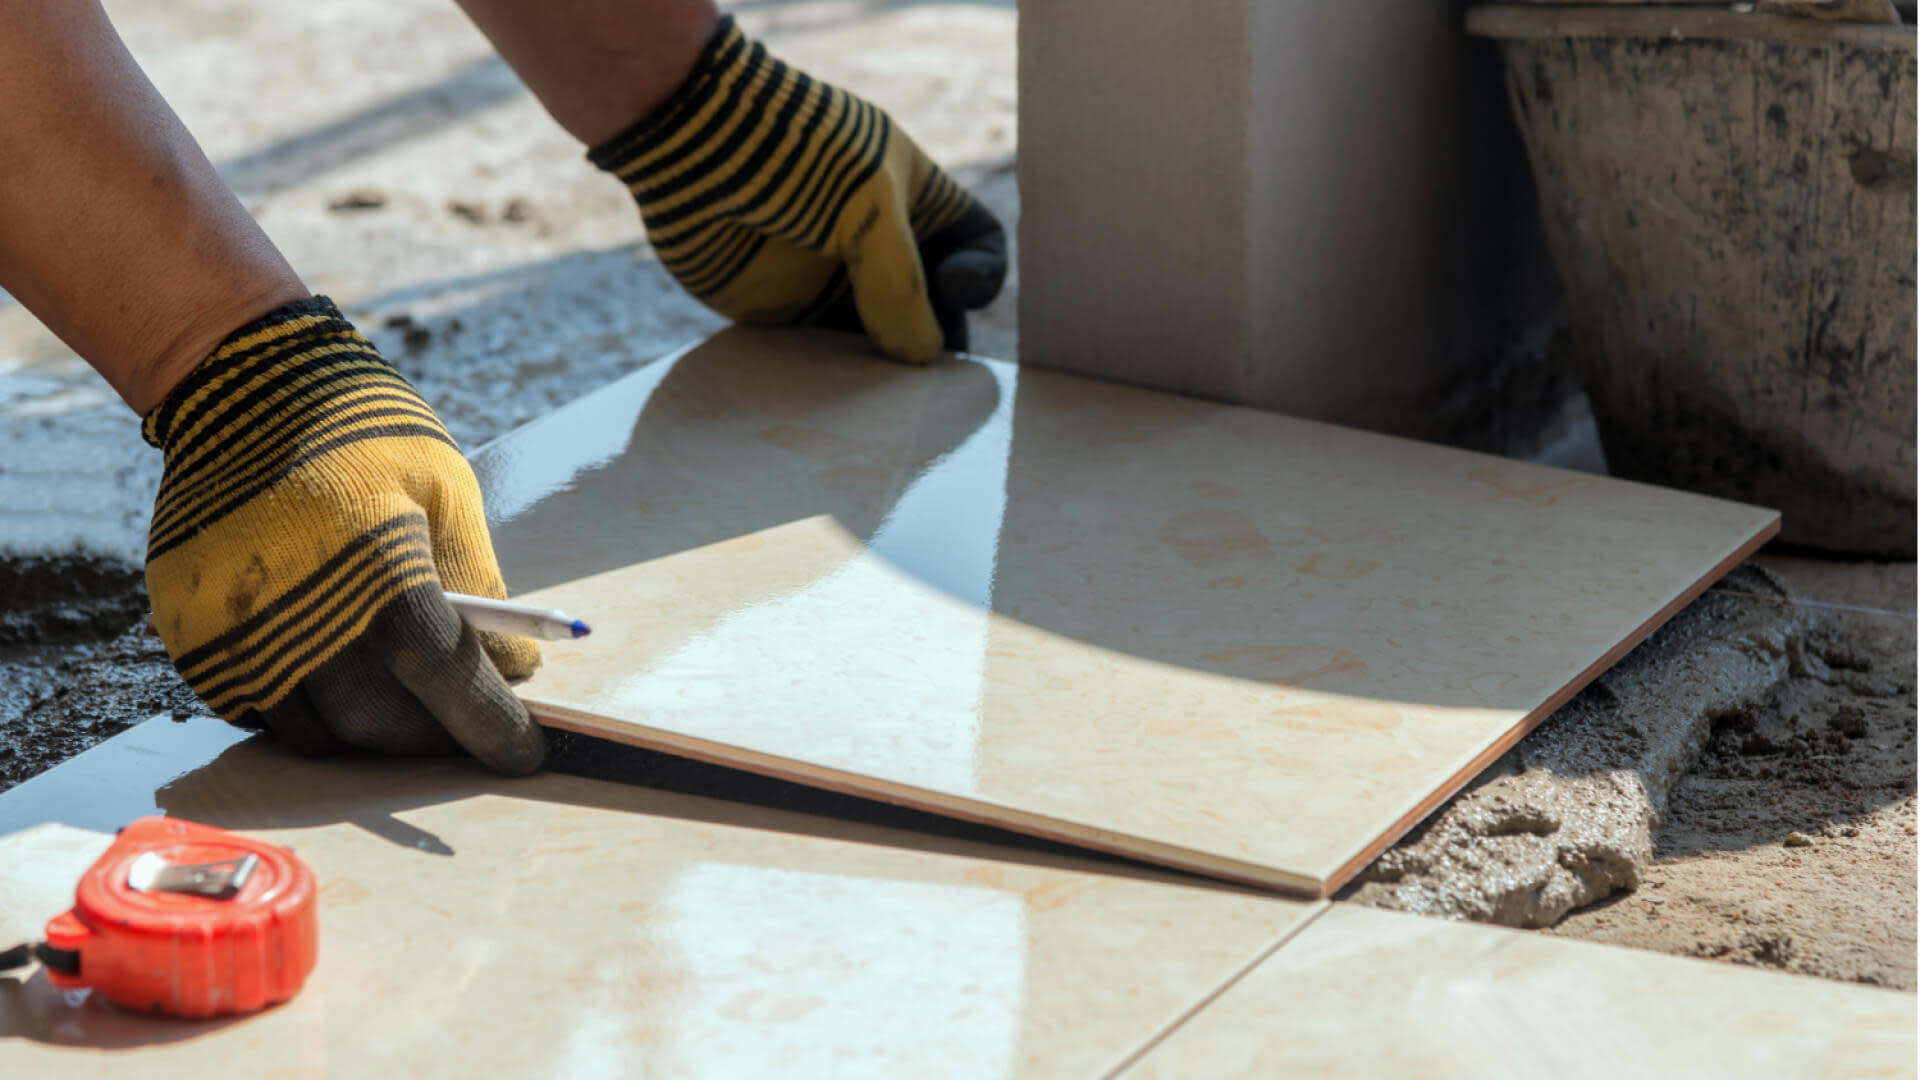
[312,511]
[775,198]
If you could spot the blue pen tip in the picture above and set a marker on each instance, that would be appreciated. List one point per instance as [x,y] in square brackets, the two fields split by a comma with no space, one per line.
[581,629]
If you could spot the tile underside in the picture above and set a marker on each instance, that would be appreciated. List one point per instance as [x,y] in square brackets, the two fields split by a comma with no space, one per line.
[1215,638]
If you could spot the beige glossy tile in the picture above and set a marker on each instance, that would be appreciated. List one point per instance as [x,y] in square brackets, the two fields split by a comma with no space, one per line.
[1362,993]
[1213,637]
[564,927]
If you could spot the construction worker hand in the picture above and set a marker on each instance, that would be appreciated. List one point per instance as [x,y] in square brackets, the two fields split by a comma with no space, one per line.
[775,198]
[312,512]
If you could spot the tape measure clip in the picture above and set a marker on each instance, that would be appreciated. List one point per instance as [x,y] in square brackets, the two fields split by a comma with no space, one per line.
[221,879]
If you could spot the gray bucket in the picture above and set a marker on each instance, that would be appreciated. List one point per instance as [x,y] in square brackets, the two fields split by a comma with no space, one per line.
[1730,203]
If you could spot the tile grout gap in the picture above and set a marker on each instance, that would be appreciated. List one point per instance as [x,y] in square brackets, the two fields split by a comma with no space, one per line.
[1211,996]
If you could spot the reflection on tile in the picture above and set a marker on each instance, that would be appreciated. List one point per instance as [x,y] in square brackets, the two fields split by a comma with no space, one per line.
[103,789]
[576,928]
[1217,638]
[1366,993]
[43,864]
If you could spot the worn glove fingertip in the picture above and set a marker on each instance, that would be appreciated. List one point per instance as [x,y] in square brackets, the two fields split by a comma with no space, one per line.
[953,327]
[969,279]
[902,326]
[516,658]
[521,756]
[441,660]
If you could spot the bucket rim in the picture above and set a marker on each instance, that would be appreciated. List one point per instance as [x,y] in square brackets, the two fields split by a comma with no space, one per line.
[1533,22]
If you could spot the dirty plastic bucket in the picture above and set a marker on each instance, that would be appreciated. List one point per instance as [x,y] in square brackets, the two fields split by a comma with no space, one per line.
[1730,203]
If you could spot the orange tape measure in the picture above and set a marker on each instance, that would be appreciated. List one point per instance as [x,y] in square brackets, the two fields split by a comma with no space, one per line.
[187,920]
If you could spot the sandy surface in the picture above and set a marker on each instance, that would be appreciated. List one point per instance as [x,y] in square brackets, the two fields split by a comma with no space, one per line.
[407,173]
[1791,843]
[1567,817]
[1739,787]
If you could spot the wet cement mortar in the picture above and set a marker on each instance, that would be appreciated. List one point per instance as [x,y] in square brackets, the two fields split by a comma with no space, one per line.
[76,665]
[1739,787]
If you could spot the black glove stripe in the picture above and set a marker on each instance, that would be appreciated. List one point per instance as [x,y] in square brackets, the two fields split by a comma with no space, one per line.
[255,686]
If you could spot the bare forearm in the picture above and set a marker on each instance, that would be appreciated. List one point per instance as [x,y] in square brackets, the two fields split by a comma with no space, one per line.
[115,230]
[597,65]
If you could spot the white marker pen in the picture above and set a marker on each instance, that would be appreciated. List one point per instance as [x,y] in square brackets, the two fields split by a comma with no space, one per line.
[519,620]
[501,617]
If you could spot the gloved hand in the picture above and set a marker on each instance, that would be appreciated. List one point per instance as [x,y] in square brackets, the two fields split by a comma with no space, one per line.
[772,196]
[312,512]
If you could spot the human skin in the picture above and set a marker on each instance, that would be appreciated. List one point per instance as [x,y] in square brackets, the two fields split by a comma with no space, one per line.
[115,230]
[117,233]
[598,66]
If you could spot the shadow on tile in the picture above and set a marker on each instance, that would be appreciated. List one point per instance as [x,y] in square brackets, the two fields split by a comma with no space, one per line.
[31,1008]
[258,784]
[1205,538]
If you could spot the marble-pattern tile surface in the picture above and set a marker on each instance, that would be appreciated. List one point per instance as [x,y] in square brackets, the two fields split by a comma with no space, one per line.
[566,927]
[1363,993]
[1212,637]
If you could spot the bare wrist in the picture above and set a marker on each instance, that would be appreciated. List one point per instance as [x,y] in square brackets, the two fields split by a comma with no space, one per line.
[183,347]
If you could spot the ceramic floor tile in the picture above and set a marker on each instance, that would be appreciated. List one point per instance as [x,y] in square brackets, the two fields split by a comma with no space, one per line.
[577,928]
[1216,638]
[1366,993]
[103,791]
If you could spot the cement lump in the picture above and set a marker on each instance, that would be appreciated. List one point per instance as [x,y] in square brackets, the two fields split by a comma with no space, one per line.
[1567,817]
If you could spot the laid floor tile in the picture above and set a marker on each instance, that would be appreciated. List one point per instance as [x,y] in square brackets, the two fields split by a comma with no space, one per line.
[472,926]
[103,791]
[1216,638]
[1367,993]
